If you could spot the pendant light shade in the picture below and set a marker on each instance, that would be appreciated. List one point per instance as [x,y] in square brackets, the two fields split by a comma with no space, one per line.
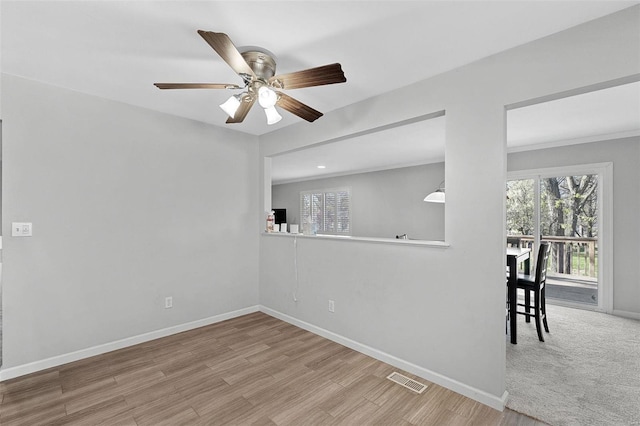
[436,196]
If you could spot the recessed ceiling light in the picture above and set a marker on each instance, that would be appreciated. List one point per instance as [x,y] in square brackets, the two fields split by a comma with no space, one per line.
[322,167]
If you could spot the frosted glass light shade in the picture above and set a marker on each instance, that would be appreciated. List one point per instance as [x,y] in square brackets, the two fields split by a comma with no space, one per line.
[231,105]
[267,97]
[435,197]
[272,115]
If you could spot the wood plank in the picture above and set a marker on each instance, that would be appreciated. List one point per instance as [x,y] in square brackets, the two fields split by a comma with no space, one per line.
[253,369]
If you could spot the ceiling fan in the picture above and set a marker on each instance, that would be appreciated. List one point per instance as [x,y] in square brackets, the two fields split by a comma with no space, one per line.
[257,68]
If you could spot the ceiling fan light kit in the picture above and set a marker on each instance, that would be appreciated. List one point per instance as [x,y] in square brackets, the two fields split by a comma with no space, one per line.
[267,98]
[272,115]
[231,105]
[257,68]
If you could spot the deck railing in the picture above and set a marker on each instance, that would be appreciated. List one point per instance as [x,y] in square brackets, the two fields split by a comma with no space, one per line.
[569,255]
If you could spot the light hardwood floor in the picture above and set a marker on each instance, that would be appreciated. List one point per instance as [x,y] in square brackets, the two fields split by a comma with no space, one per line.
[254,369]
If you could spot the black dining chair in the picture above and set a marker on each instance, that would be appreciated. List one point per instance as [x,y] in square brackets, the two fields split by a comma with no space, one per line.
[536,284]
[513,241]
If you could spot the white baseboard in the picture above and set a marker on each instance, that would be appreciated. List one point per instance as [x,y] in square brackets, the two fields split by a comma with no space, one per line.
[626,314]
[21,370]
[483,397]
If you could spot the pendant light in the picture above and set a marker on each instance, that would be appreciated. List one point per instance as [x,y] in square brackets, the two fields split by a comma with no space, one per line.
[436,196]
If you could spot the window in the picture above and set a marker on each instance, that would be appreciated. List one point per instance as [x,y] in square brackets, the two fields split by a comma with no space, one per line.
[326,211]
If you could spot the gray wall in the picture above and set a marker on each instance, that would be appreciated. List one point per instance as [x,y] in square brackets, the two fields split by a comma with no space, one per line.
[0,178]
[393,192]
[383,204]
[128,206]
[418,304]
[625,155]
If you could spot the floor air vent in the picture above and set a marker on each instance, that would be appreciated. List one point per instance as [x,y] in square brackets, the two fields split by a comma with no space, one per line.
[407,382]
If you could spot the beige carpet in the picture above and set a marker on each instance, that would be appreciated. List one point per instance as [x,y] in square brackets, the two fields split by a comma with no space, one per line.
[587,372]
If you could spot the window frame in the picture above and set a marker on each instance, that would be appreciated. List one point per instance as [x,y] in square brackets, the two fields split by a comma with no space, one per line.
[604,171]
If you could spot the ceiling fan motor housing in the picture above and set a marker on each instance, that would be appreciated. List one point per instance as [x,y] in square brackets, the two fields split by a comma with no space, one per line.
[261,61]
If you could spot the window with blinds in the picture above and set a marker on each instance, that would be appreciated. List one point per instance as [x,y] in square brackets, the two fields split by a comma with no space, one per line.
[326,211]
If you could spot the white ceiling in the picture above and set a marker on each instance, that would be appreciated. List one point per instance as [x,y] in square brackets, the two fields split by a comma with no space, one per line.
[118,49]
[606,113]
[403,146]
[600,115]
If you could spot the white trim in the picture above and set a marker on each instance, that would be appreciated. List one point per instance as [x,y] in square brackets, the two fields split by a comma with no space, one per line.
[493,401]
[626,314]
[267,184]
[424,243]
[591,168]
[605,239]
[32,367]
[605,213]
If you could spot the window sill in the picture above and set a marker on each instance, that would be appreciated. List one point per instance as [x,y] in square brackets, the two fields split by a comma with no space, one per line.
[423,243]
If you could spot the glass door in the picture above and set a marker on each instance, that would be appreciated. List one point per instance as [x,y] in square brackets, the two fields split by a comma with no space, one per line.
[564,210]
[569,221]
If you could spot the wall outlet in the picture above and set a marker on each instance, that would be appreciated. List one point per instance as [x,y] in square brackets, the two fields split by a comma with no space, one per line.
[21,229]
[332,306]
[168,302]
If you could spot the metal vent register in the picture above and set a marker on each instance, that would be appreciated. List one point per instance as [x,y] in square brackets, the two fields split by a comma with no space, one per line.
[407,382]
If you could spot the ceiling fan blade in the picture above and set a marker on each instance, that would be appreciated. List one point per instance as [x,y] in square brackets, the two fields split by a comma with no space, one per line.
[298,108]
[222,44]
[242,111]
[326,74]
[195,86]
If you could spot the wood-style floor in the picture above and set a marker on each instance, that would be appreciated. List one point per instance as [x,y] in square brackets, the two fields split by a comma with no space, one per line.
[251,370]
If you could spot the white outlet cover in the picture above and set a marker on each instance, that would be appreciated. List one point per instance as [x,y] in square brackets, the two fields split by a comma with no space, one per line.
[21,229]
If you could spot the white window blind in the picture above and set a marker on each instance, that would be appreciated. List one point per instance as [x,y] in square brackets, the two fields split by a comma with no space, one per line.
[326,211]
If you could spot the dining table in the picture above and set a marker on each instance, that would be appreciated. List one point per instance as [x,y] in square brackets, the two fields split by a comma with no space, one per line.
[515,256]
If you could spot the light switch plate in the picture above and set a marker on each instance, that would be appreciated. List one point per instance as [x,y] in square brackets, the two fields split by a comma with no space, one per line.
[21,229]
